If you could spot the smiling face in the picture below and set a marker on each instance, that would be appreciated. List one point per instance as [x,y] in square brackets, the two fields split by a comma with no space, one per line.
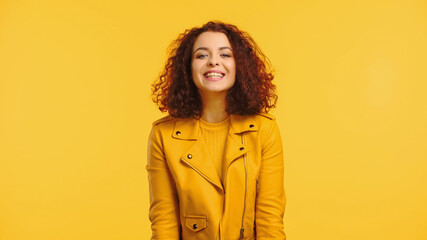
[213,65]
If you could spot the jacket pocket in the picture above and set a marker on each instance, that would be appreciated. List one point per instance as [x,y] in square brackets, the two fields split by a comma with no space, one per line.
[195,222]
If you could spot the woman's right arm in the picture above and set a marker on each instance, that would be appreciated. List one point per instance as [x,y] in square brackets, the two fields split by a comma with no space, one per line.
[164,209]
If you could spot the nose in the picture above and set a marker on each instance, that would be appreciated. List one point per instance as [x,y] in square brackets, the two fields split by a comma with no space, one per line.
[213,60]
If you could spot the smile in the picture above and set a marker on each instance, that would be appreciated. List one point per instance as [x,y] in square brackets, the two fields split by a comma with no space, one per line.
[214,75]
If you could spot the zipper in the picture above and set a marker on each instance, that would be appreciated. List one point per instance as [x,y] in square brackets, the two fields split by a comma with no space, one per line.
[242,230]
[219,232]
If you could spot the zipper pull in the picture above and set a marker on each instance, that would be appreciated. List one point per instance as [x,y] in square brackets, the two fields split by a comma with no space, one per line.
[241,233]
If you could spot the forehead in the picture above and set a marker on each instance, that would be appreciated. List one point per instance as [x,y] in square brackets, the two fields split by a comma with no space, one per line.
[212,40]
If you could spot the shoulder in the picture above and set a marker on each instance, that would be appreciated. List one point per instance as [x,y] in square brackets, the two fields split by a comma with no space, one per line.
[164,124]
[269,131]
[267,123]
[264,119]
[267,116]
[255,122]
[160,127]
[165,119]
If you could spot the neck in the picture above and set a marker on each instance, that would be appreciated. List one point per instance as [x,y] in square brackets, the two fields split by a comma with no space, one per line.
[214,108]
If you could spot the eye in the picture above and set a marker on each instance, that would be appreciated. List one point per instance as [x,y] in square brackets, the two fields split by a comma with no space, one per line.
[226,55]
[201,56]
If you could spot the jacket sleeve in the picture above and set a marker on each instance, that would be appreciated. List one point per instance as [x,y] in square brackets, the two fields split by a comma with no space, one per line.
[164,209]
[270,200]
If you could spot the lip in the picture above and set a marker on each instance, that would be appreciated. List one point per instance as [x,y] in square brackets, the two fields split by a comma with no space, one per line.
[215,71]
[213,79]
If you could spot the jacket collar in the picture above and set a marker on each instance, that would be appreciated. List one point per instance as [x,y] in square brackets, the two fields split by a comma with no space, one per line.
[188,128]
[195,155]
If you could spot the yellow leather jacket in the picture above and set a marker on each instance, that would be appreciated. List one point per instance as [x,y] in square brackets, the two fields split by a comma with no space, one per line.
[187,198]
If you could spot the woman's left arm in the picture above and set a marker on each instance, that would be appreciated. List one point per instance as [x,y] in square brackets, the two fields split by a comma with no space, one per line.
[270,200]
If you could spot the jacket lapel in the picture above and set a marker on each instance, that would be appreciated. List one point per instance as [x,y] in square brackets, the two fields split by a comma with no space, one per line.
[235,147]
[197,156]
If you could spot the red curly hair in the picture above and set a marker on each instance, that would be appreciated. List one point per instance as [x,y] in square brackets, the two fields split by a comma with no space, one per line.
[253,91]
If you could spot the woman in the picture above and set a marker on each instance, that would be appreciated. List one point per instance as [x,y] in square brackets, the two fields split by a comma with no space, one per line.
[215,164]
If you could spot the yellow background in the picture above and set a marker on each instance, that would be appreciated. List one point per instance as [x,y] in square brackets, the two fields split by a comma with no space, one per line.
[75,113]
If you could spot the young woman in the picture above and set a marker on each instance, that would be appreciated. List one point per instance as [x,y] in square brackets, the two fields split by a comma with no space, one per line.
[215,163]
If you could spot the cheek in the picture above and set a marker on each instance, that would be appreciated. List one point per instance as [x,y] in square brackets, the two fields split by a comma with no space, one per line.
[232,66]
[195,74]
[232,72]
[193,68]
[232,69]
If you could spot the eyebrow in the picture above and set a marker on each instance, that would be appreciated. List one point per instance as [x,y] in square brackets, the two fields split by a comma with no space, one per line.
[205,48]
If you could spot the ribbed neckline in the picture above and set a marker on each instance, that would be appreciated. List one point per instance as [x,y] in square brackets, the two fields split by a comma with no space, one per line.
[209,125]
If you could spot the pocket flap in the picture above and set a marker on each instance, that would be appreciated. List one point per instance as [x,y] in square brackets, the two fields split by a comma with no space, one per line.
[195,222]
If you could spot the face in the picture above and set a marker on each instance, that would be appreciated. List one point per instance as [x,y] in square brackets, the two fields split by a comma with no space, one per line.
[213,65]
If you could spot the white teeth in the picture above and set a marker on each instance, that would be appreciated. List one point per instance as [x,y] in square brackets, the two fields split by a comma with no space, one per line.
[214,75]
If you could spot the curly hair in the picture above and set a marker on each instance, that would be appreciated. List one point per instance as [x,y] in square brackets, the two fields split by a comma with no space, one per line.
[253,91]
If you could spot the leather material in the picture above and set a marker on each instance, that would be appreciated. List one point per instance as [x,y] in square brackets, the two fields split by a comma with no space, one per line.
[187,198]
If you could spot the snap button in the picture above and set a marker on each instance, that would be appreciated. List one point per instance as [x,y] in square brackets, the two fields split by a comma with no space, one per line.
[242,148]
[189,156]
[251,126]
[195,223]
[178,133]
